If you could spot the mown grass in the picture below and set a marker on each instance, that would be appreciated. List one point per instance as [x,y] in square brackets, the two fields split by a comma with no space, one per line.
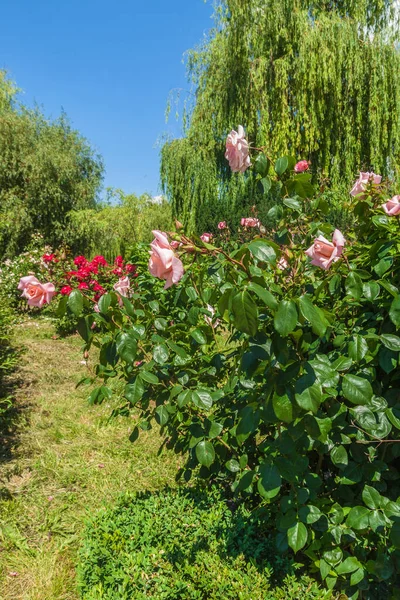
[61,461]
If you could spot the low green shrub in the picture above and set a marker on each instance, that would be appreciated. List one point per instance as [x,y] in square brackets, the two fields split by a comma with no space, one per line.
[184,545]
[8,357]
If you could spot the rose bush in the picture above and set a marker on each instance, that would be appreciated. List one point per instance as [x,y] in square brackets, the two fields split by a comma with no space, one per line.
[275,373]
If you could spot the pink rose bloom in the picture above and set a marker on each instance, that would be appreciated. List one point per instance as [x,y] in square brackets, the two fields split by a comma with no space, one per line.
[163,263]
[392,207]
[324,253]
[122,287]
[35,292]
[222,225]
[301,166]
[206,237]
[250,222]
[237,150]
[362,182]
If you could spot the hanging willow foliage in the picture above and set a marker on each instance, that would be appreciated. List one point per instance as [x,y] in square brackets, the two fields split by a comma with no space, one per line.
[316,81]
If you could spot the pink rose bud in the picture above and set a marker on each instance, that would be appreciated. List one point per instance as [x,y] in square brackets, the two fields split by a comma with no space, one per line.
[163,263]
[222,225]
[392,207]
[301,166]
[122,287]
[282,264]
[324,253]
[35,292]
[237,150]
[361,184]
[250,222]
[175,244]
[206,237]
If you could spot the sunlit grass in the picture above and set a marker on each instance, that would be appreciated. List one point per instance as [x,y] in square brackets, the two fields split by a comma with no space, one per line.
[67,462]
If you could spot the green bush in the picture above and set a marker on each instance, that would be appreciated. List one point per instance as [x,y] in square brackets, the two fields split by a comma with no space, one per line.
[184,545]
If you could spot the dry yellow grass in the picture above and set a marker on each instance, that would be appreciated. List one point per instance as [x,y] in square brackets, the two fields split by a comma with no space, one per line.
[65,461]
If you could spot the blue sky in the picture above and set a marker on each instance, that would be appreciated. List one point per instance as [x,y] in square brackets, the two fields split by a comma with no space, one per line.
[110,66]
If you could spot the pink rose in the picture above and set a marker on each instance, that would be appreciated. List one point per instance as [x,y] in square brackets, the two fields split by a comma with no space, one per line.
[237,150]
[206,237]
[392,207]
[250,222]
[324,253]
[163,263]
[35,292]
[222,225]
[362,182]
[301,166]
[122,287]
[174,244]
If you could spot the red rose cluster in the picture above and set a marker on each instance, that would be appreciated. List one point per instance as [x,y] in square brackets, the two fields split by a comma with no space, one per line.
[95,276]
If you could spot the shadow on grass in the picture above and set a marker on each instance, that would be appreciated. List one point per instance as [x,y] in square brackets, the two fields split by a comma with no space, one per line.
[14,412]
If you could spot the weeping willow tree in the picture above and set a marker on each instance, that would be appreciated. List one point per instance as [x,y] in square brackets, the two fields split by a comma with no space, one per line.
[318,81]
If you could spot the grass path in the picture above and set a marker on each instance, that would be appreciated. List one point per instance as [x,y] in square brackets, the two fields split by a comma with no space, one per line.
[60,461]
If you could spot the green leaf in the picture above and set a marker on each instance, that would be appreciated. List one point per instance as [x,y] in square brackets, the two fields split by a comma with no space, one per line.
[354,286]
[264,295]
[267,184]
[160,353]
[245,313]
[75,302]
[62,306]
[358,348]
[202,399]
[339,456]
[281,165]
[134,391]
[333,557]
[205,453]
[357,576]
[304,189]
[261,164]
[248,423]
[263,250]
[283,407]
[297,536]
[309,514]
[232,465]
[356,389]
[214,429]
[199,336]
[104,303]
[126,347]
[308,393]
[84,329]
[391,341]
[293,203]
[285,319]
[270,481]
[371,290]
[371,497]
[358,518]
[314,315]
[162,415]
[349,565]
[149,377]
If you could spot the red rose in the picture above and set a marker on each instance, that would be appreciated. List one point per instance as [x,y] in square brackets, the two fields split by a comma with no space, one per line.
[130,268]
[118,271]
[80,261]
[99,260]
[66,290]
[119,261]
[48,258]
[83,286]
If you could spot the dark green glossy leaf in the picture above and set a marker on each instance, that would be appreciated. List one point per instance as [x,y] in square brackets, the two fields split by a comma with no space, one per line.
[285,319]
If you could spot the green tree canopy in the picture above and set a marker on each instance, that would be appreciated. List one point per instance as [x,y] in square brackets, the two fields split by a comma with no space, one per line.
[316,80]
[47,169]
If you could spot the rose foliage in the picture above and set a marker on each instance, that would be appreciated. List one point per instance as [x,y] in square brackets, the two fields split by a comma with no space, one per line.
[275,373]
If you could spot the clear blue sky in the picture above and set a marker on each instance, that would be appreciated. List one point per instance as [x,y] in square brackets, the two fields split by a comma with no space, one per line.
[110,65]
